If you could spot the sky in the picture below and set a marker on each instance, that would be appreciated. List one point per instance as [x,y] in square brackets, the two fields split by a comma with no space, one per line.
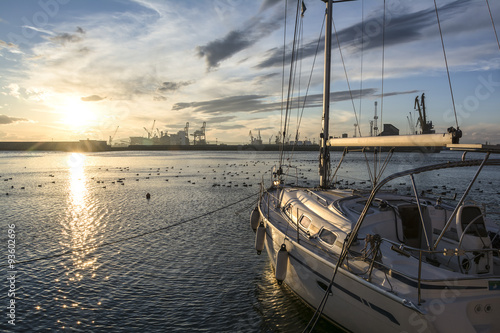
[72,70]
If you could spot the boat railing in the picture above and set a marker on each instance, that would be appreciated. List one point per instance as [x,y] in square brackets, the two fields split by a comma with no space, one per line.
[319,198]
[420,254]
[278,175]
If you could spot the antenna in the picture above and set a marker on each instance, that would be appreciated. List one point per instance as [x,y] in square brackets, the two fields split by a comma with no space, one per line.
[375,117]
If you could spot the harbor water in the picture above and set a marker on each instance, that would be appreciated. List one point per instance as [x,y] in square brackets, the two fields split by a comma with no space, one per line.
[92,254]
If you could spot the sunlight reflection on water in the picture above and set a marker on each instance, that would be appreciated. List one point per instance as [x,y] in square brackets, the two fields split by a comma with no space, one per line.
[200,276]
[79,226]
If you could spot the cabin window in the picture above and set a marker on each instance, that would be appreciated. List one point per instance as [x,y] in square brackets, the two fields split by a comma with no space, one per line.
[412,226]
[327,236]
[305,222]
[313,229]
[473,215]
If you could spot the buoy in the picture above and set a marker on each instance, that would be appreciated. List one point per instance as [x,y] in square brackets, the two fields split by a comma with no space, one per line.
[281,264]
[260,236]
[254,218]
[148,196]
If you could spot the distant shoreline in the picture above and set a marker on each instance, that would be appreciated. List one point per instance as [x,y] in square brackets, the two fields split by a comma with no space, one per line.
[101,146]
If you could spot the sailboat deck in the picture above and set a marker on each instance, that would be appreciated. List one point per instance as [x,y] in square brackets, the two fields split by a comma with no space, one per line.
[336,211]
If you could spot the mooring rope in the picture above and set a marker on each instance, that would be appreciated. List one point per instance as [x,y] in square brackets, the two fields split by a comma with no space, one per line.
[57,255]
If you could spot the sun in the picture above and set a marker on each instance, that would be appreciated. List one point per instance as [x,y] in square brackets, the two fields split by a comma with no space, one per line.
[78,115]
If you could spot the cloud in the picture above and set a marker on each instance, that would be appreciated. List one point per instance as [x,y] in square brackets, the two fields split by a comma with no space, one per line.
[38,30]
[221,119]
[172,86]
[4,120]
[399,29]
[5,45]
[266,4]
[261,103]
[11,47]
[241,103]
[235,41]
[64,38]
[395,93]
[229,127]
[14,90]
[92,98]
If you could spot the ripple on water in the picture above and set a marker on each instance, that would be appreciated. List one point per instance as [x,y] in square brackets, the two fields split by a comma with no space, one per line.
[199,276]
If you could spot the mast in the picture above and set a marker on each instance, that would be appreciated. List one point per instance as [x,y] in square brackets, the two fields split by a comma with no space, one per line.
[324,153]
[324,162]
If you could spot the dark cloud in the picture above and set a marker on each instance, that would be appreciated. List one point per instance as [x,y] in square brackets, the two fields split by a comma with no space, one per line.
[229,127]
[172,86]
[274,57]
[399,29]
[338,96]
[92,98]
[258,103]
[221,119]
[65,37]
[266,4]
[263,78]
[244,103]
[235,41]
[4,120]
[395,93]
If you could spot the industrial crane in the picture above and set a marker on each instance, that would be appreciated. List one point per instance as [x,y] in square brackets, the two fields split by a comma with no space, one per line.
[150,132]
[113,136]
[199,135]
[427,127]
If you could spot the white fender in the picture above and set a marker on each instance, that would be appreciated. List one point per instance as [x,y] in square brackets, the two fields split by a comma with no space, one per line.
[260,236]
[254,218]
[281,264]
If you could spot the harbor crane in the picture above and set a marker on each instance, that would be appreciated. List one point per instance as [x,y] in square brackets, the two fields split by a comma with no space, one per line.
[255,141]
[150,132]
[199,135]
[426,126]
[111,137]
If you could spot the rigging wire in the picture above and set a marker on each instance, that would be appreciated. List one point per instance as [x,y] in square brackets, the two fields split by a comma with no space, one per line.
[346,76]
[290,82]
[383,70]
[93,247]
[319,310]
[310,77]
[446,62]
[283,71]
[291,85]
[361,60]
[300,56]
[493,23]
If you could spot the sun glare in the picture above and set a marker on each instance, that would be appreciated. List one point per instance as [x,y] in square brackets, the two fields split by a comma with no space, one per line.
[78,115]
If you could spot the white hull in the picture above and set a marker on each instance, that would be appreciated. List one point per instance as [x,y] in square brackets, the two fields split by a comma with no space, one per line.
[358,305]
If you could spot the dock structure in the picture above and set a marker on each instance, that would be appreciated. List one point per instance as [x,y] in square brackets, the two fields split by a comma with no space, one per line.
[98,146]
[73,146]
